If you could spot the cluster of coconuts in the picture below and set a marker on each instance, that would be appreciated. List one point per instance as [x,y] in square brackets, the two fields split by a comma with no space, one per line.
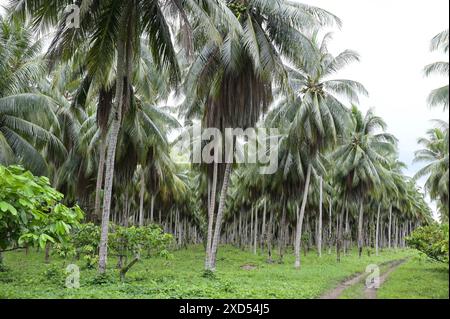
[238,8]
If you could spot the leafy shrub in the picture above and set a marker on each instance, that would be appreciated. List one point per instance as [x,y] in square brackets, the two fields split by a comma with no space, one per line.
[5,277]
[31,212]
[102,279]
[432,241]
[55,274]
[84,243]
[131,242]
[209,274]
[64,250]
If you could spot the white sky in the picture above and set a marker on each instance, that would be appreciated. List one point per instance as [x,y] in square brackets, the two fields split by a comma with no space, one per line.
[392,37]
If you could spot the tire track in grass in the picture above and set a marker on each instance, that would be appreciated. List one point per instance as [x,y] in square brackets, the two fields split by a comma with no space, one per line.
[369,293]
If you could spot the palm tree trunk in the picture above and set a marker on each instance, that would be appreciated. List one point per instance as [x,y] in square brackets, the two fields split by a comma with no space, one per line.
[298,237]
[100,172]
[112,144]
[211,211]
[340,218]
[360,228]
[152,208]
[390,227]
[141,200]
[396,233]
[251,229]
[263,230]
[255,242]
[223,197]
[281,232]
[330,233]
[269,237]
[319,240]
[377,230]
[346,232]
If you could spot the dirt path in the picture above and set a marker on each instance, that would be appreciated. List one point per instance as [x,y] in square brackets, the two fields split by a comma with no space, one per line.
[336,292]
[369,293]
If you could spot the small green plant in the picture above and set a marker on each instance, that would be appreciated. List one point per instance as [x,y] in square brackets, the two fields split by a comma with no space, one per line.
[209,274]
[102,279]
[3,268]
[55,274]
[432,241]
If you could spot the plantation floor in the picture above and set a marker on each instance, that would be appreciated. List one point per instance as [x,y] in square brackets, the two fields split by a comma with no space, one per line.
[417,279]
[240,274]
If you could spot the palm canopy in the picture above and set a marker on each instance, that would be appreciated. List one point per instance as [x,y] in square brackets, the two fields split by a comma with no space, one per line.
[230,82]
[103,23]
[435,155]
[25,114]
[439,97]
[319,115]
[361,158]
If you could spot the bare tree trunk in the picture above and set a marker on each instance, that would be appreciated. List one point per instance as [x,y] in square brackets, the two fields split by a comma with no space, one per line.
[152,208]
[123,63]
[255,243]
[396,233]
[269,237]
[346,231]
[47,253]
[298,237]
[211,211]
[281,233]
[377,229]
[263,230]
[319,240]
[339,234]
[390,227]
[141,200]
[223,197]
[240,232]
[251,228]
[100,172]
[360,228]
[180,229]
[123,271]
[330,233]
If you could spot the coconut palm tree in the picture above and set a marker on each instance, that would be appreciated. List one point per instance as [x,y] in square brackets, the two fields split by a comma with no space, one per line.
[435,154]
[25,115]
[439,97]
[230,83]
[361,161]
[320,116]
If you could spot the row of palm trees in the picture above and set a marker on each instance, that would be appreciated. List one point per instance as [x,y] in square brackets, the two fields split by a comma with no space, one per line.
[99,126]
[435,146]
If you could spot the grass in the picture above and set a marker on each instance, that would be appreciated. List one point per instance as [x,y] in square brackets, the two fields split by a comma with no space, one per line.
[417,279]
[182,276]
